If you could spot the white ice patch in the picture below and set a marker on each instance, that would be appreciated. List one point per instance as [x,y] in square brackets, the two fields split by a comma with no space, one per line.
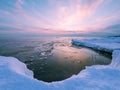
[15,65]
[107,45]
[116,59]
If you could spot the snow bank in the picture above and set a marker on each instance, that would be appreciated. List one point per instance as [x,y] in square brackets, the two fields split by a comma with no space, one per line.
[107,45]
[116,60]
[15,76]
[14,65]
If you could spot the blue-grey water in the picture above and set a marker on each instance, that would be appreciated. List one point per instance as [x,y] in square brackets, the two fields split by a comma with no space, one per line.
[52,58]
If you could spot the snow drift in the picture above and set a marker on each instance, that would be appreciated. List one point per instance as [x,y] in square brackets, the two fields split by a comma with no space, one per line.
[15,76]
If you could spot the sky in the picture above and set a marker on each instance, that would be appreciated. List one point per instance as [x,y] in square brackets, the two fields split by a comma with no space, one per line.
[39,17]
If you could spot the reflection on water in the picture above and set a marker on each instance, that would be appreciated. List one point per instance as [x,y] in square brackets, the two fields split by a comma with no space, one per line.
[52,59]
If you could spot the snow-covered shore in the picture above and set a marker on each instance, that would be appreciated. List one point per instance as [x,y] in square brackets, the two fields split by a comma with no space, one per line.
[15,76]
[108,44]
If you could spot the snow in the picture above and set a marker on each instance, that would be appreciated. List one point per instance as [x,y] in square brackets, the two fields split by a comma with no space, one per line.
[14,65]
[116,60]
[14,74]
[108,44]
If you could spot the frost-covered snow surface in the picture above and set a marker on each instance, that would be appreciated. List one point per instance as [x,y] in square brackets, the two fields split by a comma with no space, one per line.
[108,44]
[15,76]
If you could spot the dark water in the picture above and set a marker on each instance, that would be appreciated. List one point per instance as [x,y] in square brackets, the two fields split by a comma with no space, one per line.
[52,58]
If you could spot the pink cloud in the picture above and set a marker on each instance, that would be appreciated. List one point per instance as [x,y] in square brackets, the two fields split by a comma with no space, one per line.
[67,17]
[109,17]
[70,16]
[62,16]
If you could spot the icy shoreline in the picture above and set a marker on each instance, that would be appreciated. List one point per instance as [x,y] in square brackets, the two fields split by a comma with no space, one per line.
[15,76]
[107,45]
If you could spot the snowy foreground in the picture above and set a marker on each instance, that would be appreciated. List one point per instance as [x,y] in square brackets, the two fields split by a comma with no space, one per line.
[15,76]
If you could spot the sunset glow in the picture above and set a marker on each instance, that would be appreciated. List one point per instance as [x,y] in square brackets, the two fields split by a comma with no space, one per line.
[59,16]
